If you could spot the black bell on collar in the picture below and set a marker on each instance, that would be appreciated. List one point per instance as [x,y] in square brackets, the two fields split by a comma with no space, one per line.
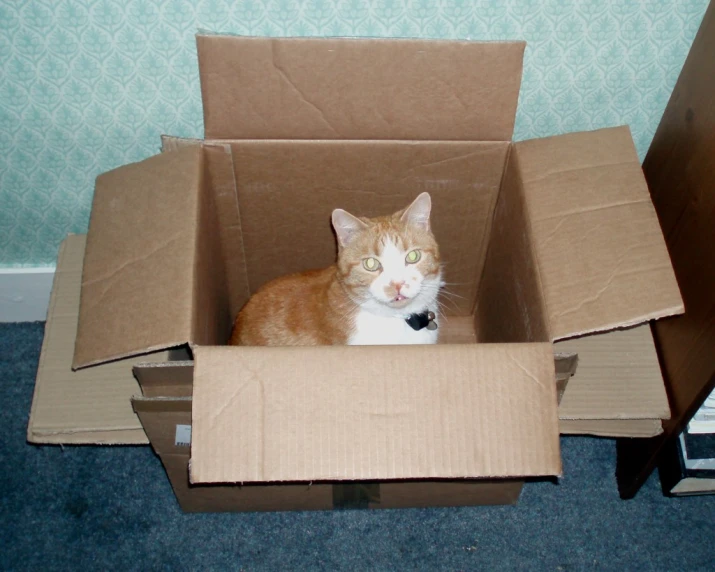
[422,320]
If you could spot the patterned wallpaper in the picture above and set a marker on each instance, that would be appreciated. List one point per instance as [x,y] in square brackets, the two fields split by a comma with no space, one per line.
[87,85]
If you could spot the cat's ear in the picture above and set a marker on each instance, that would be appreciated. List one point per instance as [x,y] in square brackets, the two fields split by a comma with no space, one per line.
[346,226]
[418,212]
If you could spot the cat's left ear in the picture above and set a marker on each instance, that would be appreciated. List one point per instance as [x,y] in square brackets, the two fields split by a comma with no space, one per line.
[346,226]
[418,212]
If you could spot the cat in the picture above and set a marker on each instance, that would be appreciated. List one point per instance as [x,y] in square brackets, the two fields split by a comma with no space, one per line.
[383,289]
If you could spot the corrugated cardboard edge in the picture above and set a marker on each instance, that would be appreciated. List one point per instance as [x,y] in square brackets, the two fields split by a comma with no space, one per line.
[612,427]
[49,324]
[133,434]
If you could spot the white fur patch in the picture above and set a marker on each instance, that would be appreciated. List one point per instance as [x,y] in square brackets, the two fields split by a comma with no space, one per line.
[379,323]
[373,330]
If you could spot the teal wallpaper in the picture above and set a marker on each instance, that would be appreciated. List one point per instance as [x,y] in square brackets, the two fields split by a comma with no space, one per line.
[87,85]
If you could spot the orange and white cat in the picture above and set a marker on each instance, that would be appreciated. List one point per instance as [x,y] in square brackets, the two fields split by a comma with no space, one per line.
[382,290]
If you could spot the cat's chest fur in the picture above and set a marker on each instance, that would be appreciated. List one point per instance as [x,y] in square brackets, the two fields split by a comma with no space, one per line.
[371,329]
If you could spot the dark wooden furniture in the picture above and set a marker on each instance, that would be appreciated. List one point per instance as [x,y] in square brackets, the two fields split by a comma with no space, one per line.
[680,170]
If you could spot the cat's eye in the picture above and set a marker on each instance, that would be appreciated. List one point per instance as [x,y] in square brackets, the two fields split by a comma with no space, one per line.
[371,264]
[413,256]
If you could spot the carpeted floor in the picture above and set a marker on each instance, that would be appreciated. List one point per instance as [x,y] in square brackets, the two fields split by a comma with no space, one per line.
[103,508]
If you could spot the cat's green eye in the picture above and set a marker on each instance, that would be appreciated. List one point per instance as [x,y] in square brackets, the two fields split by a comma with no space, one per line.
[413,256]
[371,264]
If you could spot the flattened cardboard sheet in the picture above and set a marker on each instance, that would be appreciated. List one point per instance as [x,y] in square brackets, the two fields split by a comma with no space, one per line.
[325,88]
[602,258]
[612,427]
[618,377]
[373,413]
[79,407]
[138,277]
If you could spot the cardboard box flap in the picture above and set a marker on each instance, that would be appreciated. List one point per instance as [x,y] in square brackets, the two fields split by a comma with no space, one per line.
[372,412]
[601,255]
[138,277]
[322,88]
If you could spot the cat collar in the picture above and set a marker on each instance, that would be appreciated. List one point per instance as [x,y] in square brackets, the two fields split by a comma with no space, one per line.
[423,320]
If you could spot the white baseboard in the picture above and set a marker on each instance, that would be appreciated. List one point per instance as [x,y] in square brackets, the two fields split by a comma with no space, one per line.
[25,293]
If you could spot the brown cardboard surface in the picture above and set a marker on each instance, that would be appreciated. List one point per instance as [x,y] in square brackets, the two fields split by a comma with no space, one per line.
[279,182]
[432,493]
[211,319]
[510,306]
[601,253]
[138,279]
[173,143]
[612,427]
[221,181]
[457,330]
[165,379]
[234,498]
[282,414]
[317,88]
[618,377]
[160,417]
[88,406]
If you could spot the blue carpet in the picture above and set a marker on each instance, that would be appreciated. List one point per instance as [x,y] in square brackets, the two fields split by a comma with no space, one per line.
[104,508]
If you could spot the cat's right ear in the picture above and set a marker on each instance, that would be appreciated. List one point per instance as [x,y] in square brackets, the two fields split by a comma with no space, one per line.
[346,226]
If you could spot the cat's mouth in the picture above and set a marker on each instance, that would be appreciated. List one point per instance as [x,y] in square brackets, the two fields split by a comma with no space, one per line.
[400,301]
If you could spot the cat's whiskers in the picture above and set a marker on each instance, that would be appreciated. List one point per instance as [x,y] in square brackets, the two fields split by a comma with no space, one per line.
[444,308]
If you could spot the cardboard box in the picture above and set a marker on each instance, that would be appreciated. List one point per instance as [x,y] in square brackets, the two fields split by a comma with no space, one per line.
[545,240]
[167,421]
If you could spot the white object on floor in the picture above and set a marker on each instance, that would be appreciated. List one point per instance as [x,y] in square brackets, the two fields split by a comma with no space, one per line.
[25,293]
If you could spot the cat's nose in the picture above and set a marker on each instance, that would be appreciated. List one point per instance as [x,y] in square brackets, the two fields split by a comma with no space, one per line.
[397,285]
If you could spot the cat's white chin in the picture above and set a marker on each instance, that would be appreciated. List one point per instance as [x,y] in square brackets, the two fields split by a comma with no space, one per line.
[425,299]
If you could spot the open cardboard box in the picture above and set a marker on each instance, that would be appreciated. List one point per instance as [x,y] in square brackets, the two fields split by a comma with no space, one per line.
[543,240]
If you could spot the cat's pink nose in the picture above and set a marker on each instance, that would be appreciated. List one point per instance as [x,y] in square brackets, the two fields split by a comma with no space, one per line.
[397,285]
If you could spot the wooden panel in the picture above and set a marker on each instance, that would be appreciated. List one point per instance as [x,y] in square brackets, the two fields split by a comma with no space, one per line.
[680,169]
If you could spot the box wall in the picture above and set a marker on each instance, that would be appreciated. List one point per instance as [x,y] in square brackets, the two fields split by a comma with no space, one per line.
[288,189]
[235,498]
[222,182]
[510,306]
[160,416]
[212,319]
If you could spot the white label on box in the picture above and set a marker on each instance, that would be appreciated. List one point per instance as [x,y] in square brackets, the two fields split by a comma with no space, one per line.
[183,436]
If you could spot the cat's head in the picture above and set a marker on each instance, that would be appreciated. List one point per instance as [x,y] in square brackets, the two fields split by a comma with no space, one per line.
[390,265]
